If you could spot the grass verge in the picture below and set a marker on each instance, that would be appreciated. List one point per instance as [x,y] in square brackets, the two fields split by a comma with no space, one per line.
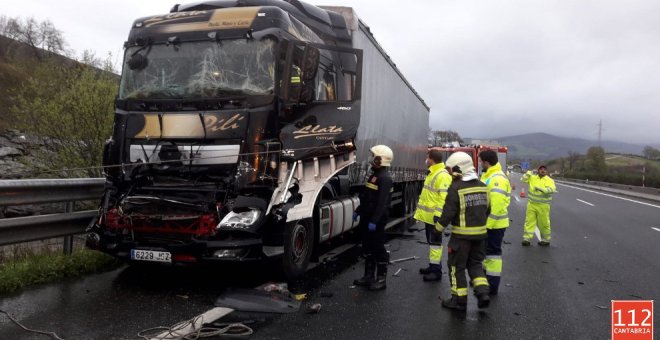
[44,268]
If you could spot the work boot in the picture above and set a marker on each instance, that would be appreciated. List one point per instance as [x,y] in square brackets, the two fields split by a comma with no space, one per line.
[369,273]
[526,243]
[544,243]
[380,283]
[425,270]
[456,302]
[433,276]
[483,300]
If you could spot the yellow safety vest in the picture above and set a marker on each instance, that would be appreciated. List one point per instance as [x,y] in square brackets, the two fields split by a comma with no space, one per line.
[499,194]
[540,189]
[434,193]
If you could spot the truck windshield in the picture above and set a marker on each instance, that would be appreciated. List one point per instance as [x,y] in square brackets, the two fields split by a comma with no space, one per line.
[200,70]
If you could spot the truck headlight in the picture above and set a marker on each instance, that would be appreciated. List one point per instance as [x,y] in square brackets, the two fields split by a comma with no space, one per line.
[240,220]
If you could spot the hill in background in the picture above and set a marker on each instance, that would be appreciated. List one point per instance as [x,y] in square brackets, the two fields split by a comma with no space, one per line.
[542,146]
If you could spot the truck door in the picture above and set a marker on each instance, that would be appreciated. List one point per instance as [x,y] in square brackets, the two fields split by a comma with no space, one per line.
[321,95]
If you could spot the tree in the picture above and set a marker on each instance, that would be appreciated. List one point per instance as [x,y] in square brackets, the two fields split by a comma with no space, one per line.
[71,105]
[445,136]
[596,159]
[572,160]
[42,37]
[650,152]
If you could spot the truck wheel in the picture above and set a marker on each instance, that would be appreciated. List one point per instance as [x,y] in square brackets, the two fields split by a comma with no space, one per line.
[298,245]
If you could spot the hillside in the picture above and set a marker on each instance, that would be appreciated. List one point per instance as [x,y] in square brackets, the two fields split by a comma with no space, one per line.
[542,146]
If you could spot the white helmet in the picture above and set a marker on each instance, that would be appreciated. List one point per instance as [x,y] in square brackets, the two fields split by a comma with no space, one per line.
[384,152]
[460,160]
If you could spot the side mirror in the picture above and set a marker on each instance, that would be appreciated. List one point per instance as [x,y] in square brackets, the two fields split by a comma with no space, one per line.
[310,63]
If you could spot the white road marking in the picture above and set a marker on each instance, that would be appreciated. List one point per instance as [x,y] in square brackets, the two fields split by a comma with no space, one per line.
[585,202]
[517,199]
[656,229]
[608,195]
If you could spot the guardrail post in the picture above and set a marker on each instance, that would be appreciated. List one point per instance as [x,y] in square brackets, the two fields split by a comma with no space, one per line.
[68,240]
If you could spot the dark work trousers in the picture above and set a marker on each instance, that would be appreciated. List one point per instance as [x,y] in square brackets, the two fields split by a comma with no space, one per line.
[434,239]
[493,262]
[466,254]
[373,242]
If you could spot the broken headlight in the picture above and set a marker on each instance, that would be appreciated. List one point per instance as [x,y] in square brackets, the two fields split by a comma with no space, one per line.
[240,220]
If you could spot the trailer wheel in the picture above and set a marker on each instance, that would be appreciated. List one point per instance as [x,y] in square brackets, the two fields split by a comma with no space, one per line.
[298,246]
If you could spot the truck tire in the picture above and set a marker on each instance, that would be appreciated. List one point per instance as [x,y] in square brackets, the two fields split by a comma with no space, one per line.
[299,242]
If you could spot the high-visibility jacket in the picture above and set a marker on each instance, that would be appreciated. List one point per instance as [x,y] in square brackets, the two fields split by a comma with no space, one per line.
[433,195]
[499,193]
[467,209]
[541,189]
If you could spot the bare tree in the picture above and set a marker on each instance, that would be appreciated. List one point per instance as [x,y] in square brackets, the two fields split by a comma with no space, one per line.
[43,37]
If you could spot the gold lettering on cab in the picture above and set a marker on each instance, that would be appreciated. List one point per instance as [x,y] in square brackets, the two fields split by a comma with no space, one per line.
[213,124]
[317,130]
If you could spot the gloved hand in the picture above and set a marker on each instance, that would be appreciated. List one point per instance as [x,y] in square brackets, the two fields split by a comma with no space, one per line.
[436,219]
[372,226]
[355,216]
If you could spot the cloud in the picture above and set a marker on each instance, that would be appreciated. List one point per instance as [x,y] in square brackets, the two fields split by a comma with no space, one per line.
[486,68]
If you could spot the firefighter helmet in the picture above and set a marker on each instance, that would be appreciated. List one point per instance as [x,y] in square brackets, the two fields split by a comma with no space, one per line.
[384,152]
[460,162]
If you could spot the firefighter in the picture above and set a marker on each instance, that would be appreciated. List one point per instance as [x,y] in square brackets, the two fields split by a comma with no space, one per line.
[539,196]
[499,195]
[373,212]
[429,210]
[466,208]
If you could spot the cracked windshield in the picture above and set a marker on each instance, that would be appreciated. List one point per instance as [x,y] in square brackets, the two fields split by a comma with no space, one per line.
[200,70]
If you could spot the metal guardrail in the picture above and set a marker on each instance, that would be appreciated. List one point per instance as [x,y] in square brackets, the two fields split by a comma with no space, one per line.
[41,227]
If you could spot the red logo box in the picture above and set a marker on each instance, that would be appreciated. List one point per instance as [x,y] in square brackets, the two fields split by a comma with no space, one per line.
[632,319]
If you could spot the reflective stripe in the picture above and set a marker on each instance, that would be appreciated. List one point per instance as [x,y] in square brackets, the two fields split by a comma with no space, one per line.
[479,281]
[295,80]
[452,278]
[494,257]
[425,208]
[435,254]
[500,191]
[372,186]
[469,230]
[489,273]
[493,265]
[438,210]
[434,190]
[461,292]
[536,200]
[498,217]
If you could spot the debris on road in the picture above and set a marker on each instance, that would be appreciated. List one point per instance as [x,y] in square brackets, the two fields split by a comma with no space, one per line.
[183,296]
[516,313]
[602,307]
[635,296]
[314,309]
[580,282]
[404,259]
[252,300]
[397,272]
[300,297]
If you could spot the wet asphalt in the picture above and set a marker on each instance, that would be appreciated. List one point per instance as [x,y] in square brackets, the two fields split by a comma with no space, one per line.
[600,252]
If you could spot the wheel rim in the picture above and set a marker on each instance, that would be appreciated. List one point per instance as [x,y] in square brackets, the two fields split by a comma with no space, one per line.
[299,243]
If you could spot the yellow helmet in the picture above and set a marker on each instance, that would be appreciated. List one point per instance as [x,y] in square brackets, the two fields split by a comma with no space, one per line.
[460,160]
[384,152]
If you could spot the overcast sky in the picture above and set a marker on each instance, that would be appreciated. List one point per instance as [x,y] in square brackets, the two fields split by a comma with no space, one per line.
[487,68]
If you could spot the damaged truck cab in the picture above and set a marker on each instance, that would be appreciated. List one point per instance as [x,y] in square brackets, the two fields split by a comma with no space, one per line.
[235,129]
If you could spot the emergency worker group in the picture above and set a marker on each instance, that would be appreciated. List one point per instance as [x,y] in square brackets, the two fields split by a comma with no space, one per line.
[475,206]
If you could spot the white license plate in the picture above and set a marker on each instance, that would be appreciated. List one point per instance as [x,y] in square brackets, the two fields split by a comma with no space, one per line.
[150,255]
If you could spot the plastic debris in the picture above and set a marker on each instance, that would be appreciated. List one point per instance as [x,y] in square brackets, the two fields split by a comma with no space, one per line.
[397,272]
[300,297]
[314,309]
[601,307]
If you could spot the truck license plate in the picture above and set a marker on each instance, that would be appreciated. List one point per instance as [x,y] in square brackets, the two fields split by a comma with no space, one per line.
[150,255]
